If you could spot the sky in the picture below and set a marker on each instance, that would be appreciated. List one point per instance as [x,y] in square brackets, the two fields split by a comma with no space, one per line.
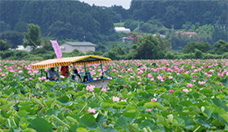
[124,3]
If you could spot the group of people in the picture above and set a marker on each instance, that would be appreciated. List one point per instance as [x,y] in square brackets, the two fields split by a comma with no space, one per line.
[54,76]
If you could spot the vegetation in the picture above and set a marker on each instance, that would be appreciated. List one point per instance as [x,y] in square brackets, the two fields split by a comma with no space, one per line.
[78,21]
[4,46]
[143,95]
[33,36]
[62,19]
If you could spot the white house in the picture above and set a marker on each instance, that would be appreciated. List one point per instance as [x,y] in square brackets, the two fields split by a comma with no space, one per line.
[21,47]
[83,47]
[122,29]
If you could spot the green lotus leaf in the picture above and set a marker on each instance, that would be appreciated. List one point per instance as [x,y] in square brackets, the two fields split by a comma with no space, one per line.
[89,121]
[40,125]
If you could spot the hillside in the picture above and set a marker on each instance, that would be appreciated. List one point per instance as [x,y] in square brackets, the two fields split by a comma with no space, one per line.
[76,20]
[62,19]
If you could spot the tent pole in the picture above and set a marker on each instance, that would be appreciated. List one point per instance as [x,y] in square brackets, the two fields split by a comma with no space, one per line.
[101,66]
[41,72]
[84,66]
[73,67]
[57,70]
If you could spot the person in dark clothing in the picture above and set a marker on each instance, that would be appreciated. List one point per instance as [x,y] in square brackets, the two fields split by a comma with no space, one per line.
[76,76]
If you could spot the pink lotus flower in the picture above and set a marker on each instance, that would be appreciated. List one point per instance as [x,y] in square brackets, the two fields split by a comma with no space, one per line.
[139,83]
[150,75]
[115,99]
[170,77]
[90,88]
[154,99]
[139,73]
[104,90]
[148,110]
[186,91]
[189,85]
[220,84]
[220,74]
[159,77]
[201,82]
[125,85]
[91,110]
[171,91]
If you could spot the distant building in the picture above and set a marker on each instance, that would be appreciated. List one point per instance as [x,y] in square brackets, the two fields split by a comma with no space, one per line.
[161,35]
[190,34]
[83,47]
[22,48]
[130,38]
[122,29]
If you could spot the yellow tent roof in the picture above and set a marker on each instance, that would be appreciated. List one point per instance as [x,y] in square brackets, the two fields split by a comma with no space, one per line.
[79,60]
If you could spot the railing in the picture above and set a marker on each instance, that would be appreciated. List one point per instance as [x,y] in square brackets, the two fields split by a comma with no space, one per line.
[88,78]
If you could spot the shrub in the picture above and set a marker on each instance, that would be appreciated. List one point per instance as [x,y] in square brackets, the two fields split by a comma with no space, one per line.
[7,54]
[169,55]
[198,54]
[18,55]
[211,56]
[225,55]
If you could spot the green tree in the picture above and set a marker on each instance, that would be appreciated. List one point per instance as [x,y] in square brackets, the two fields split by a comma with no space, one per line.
[12,37]
[21,27]
[198,54]
[191,46]
[4,26]
[132,24]
[33,36]
[4,45]
[220,47]
[45,43]
[119,50]
[101,47]
[147,48]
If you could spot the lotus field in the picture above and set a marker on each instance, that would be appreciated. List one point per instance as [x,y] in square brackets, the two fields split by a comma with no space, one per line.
[144,95]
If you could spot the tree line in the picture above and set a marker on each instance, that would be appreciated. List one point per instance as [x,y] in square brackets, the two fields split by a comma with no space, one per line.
[40,21]
[61,20]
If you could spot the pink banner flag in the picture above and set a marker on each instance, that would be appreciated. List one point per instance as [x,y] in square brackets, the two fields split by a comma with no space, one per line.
[56,48]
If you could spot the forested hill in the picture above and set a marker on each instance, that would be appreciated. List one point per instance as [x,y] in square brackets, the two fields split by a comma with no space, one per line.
[67,19]
[62,19]
[176,13]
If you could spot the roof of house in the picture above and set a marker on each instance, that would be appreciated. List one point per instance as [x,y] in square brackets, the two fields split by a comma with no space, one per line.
[80,43]
[137,36]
